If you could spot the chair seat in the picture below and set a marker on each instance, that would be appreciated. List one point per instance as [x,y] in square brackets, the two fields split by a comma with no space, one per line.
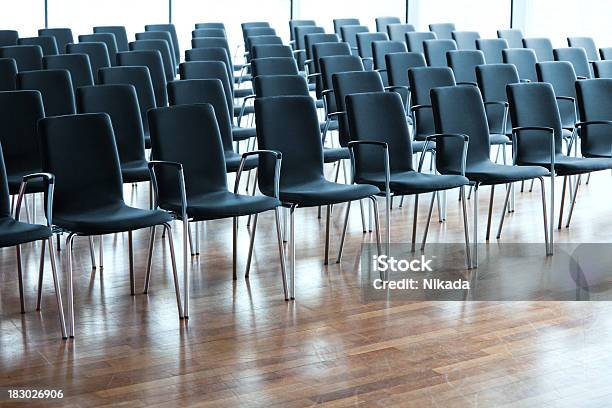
[331,155]
[232,162]
[413,182]
[34,186]
[249,109]
[224,204]
[568,165]
[242,92]
[14,232]
[135,172]
[243,133]
[108,220]
[498,139]
[324,192]
[491,173]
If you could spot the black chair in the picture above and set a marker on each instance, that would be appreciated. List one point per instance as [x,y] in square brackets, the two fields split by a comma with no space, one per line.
[120,102]
[55,87]
[606,53]
[300,42]
[98,55]
[326,50]
[302,181]
[141,80]
[383,22]
[8,38]
[524,59]
[152,60]
[435,51]
[172,30]
[208,32]
[165,36]
[271,50]
[119,33]
[602,69]
[211,42]
[349,35]
[280,85]
[513,36]
[364,45]
[261,40]
[46,42]
[339,22]
[464,63]
[77,64]
[444,31]
[471,120]
[210,25]
[587,43]
[578,58]
[108,39]
[273,66]
[594,100]
[466,40]
[160,46]
[27,57]
[310,41]
[541,46]
[8,74]
[492,49]
[90,202]
[397,32]
[382,154]
[297,23]
[535,114]
[62,36]
[379,51]
[398,65]
[414,40]
[14,233]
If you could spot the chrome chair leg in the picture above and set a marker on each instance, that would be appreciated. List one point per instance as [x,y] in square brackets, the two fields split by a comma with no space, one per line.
[234,246]
[376,224]
[57,286]
[250,256]
[149,260]
[327,221]
[177,288]
[466,229]
[490,212]
[185,264]
[41,271]
[131,262]
[503,215]
[92,252]
[414,221]
[531,186]
[401,204]
[562,202]
[551,238]
[191,248]
[431,204]
[475,251]
[346,217]
[281,251]
[197,238]
[363,222]
[543,190]
[285,212]
[370,216]
[70,288]
[571,210]
[20,278]
[101,251]
[292,256]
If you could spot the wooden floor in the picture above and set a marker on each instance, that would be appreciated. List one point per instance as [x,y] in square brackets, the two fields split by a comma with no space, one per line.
[244,346]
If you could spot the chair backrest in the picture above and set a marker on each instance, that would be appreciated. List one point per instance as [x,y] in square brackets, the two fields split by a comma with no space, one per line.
[55,87]
[348,83]
[273,66]
[172,30]
[317,38]
[20,112]
[435,51]
[577,57]
[301,148]
[444,31]
[161,35]
[210,54]
[262,40]
[594,100]
[332,65]
[211,42]
[414,40]
[605,53]
[209,70]
[210,91]
[381,48]
[524,59]
[8,74]
[422,81]
[349,35]
[383,22]
[398,64]
[160,46]
[108,39]
[492,80]
[140,78]
[77,64]
[534,104]
[62,36]
[210,25]
[119,33]
[27,57]
[271,50]
[280,85]
[541,46]
[466,40]
[464,63]
[97,181]
[297,23]
[326,50]
[151,59]
[602,69]
[8,37]
[254,24]
[365,41]
[257,31]
[379,116]
[513,36]
[459,109]
[397,32]
[562,77]
[492,49]
[302,31]
[120,102]
[46,42]
[97,52]
[587,43]
[208,32]
[339,22]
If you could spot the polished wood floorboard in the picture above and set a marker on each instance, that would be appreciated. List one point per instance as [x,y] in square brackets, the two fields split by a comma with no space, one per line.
[244,346]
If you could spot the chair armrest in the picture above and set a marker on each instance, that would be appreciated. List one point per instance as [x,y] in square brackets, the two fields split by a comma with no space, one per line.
[382,145]
[593,122]
[277,166]
[517,130]
[243,107]
[525,80]
[501,103]
[316,74]
[397,87]
[566,98]
[433,138]
[415,108]
[332,114]
[50,179]
[580,77]
[467,83]
[179,169]
[325,92]
[381,70]
[367,58]
[298,51]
